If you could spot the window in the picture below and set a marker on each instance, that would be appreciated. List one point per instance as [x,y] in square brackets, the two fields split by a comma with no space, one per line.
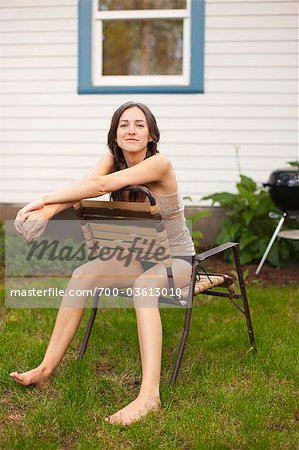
[141,46]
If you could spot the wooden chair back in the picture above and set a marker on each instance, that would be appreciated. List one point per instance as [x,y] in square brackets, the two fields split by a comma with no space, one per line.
[121,228]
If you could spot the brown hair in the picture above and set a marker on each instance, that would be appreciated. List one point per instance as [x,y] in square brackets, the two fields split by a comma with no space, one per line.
[119,160]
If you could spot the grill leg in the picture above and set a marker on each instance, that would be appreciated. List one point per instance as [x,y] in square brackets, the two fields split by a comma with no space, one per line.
[274,235]
[244,299]
[89,326]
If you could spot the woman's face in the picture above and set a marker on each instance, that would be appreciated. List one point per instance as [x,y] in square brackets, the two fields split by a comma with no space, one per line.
[132,132]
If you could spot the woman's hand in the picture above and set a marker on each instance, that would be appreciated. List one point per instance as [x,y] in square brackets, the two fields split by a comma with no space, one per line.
[31,224]
[32,206]
[24,213]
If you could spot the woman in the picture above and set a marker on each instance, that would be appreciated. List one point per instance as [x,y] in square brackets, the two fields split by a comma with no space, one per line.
[133,160]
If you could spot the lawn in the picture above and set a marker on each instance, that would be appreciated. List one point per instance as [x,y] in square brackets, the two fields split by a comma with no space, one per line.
[225,397]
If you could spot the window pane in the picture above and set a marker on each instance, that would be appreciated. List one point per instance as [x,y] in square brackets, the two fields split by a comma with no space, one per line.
[104,5]
[145,47]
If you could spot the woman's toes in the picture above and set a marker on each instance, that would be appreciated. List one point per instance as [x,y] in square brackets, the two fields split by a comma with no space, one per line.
[35,376]
[115,418]
[133,412]
[16,376]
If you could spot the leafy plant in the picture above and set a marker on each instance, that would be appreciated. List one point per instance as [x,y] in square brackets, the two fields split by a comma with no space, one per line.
[197,235]
[44,257]
[193,218]
[294,163]
[247,222]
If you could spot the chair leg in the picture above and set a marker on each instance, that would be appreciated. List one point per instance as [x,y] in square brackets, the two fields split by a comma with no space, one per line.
[89,326]
[244,299]
[182,345]
[186,325]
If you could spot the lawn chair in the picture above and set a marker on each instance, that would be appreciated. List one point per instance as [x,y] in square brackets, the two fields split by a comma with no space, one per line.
[111,223]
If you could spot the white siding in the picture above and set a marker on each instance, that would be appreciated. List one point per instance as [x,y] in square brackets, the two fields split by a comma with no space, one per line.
[50,135]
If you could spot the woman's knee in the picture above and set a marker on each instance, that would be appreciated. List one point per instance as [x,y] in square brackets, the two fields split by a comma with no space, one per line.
[145,292]
[84,276]
[79,272]
[144,283]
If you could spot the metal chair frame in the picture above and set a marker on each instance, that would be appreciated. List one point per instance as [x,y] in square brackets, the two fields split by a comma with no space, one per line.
[240,300]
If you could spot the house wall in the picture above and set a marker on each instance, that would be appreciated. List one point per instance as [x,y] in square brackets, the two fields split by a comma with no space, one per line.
[50,135]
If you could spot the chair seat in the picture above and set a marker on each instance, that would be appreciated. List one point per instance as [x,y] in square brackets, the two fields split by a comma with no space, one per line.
[289,234]
[207,282]
[204,283]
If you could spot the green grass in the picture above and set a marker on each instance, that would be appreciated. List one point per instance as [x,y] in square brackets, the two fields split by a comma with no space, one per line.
[225,397]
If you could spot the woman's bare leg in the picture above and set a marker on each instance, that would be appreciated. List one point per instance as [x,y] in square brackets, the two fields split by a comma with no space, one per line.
[68,318]
[150,340]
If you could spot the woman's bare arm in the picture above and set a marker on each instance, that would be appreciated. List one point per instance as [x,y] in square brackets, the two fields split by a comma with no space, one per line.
[149,170]
[28,218]
[103,167]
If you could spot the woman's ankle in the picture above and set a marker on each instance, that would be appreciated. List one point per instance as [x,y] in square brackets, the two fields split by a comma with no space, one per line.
[46,370]
[149,393]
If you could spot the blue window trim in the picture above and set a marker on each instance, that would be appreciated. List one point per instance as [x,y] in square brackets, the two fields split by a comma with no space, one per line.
[197,57]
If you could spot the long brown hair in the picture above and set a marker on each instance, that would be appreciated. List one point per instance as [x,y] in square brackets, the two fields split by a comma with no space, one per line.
[119,160]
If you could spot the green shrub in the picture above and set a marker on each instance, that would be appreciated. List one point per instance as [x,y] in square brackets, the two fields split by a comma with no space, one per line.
[193,219]
[247,222]
[22,259]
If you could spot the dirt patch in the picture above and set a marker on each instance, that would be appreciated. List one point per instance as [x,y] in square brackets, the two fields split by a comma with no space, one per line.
[16,416]
[14,413]
[296,416]
[130,379]
[267,276]
[103,367]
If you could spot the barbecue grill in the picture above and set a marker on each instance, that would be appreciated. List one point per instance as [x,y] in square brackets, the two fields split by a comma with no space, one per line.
[284,191]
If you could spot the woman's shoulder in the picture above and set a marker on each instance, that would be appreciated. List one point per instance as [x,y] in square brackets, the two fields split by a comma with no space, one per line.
[103,167]
[108,157]
[107,161]
[161,160]
[166,184]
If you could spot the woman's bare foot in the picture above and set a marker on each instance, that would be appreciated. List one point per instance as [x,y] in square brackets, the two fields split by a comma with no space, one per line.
[134,411]
[38,376]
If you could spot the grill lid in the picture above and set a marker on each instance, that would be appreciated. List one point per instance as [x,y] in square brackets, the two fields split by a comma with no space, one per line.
[284,188]
[284,177]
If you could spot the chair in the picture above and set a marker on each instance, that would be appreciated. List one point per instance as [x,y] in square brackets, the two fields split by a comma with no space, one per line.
[107,224]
